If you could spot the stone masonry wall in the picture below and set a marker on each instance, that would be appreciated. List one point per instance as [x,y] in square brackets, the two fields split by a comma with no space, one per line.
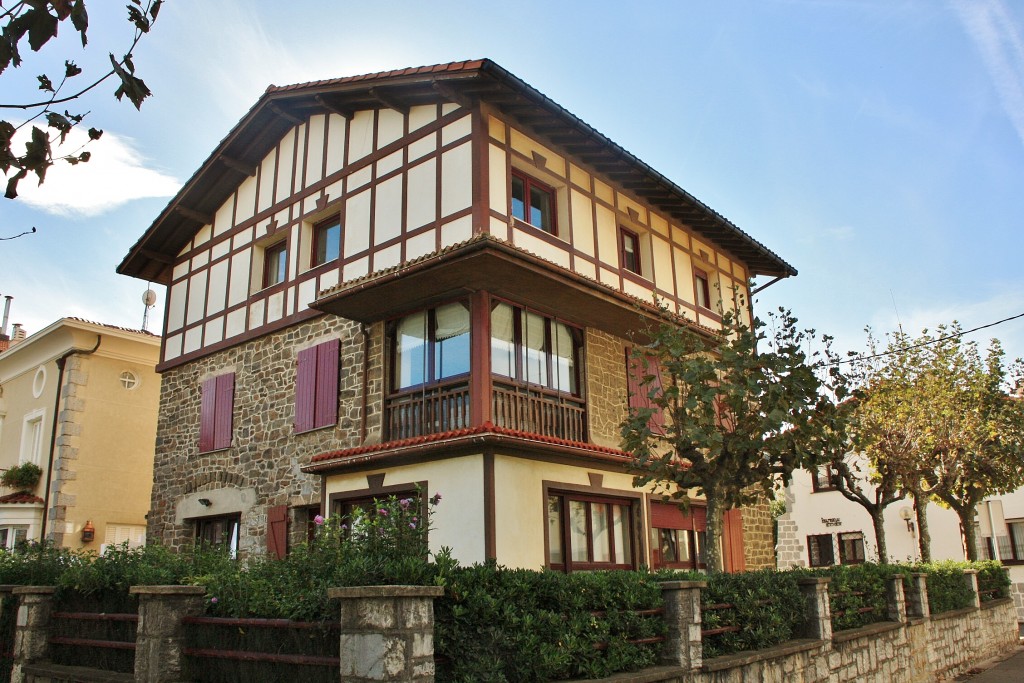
[265,454]
[606,387]
[758,537]
[69,431]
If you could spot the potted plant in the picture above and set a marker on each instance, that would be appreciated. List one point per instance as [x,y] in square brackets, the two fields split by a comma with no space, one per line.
[23,477]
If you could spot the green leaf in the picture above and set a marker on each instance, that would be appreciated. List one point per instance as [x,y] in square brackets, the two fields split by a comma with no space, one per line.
[94,133]
[133,88]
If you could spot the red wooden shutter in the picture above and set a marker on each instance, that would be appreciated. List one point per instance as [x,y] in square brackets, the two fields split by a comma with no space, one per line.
[633,374]
[636,370]
[277,530]
[223,413]
[733,541]
[305,390]
[207,413]
[669,516]
[657,423]
[326,407]
[700,518]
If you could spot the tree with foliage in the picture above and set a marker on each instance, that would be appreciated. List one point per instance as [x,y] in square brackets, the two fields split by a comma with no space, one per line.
[872,485]
[37,22]
[738,419]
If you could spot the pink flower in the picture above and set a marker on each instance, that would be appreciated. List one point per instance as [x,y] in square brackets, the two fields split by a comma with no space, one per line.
[411,525]
[382,512]
[436,499]
[213,600]
[318,520]
[405,503]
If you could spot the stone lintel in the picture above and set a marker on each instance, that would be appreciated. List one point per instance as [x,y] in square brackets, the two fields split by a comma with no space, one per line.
[682,585]
[34,590]
[385,592]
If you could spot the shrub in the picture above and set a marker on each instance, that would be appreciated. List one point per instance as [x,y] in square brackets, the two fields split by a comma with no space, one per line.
[23,477]
[993,580]
[858,593]
[947,589]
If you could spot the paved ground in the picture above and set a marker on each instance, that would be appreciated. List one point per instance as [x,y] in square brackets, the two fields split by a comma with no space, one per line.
[1008,670]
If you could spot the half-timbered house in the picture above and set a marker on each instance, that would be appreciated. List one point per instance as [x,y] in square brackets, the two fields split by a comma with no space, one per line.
[428,278]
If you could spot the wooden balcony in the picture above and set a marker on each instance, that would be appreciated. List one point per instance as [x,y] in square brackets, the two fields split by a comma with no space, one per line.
[445,407]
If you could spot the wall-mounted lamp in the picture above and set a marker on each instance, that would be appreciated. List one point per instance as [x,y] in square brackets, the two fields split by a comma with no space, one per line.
[205,502]
[88,532]
[907,515]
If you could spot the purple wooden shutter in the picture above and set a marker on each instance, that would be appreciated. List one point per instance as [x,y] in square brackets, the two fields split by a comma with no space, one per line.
[638,391]
[305,390]
[207,412]
[326,411]
[225,407]
[633,374]
[657,423]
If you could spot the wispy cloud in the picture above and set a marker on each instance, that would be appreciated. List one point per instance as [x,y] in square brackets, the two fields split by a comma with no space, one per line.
[115,175]
[991,26]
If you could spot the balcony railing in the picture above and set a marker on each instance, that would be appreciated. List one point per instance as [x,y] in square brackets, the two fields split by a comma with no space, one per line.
[445,407]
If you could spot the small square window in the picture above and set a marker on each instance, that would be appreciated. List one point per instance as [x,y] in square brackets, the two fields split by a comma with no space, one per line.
[851,548]
[629,246]
[702,288]
[326,241]
[820,551]
[824,478]
[533,202]
[275,264]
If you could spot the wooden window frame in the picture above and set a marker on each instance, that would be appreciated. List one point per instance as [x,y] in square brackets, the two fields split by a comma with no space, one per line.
[624,235]
[529,182]
[232,518]
[430,371]
[831,546]
[832,476]
[851,536]
[216,413]
[316,386]
[318,230]
[702,286]
[568,565]
[277,248]
[518,343]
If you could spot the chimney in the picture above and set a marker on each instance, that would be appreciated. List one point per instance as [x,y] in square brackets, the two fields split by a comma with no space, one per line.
[7,315]
[17,333]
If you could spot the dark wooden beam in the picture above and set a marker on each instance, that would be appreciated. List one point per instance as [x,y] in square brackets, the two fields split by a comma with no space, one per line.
[389,101]
[283,114]
[452,95]
[344,112]
[204,218]
[240,166]
[156,256]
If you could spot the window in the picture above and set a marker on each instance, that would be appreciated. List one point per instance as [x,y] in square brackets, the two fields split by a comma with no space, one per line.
[216,408]
[39,382]
[629,250]
[824,478]
[326,241]
[316,387]
[533,202]
[820,551]
[677,537]
[851,548]
[32,437]
[1016,531]
[132,534]
[589,532]
[275,264]
[220,532]
[12,536]
[129,380]
[535,349]
[702,288]
[431,346]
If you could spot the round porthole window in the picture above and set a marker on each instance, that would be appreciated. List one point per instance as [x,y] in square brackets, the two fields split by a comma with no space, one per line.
[39,382]
[129,380]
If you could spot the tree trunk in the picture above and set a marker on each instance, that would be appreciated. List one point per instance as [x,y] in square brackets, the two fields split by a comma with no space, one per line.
[924,536]
[878,521]
[713,530]
[970,532]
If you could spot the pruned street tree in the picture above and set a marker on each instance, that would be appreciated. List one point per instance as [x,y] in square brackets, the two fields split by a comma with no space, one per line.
[33,23]
[742,409]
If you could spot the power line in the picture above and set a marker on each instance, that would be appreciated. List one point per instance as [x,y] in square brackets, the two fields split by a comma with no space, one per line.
[920,344]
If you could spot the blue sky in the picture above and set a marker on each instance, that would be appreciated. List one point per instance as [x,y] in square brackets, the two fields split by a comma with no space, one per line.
[877,146]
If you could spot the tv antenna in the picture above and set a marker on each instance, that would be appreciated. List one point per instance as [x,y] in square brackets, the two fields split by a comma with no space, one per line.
[148,299]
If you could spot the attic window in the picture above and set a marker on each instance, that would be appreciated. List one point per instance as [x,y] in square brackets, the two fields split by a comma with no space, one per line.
[275,264]
[129,380]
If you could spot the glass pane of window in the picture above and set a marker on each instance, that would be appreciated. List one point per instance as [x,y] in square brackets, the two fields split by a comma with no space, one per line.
[535,351]
[411,350]
[20,534]
[503,347]
[579,540]
[599,523]
[451,335]
[540,209]
[621,535]
[630,257]
[4,533]
[1017,536]
[328,242]
[563,359]
[685,539]
[518,198]
[275,266]
[668,545]
[700,281]
[555,552]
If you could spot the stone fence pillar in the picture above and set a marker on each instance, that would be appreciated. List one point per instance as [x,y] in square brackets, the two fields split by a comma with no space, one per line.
[971,579]
[895,599]
[818,611]
[161,635]
[683,645]
[32,632]
[917,596]
[387,633]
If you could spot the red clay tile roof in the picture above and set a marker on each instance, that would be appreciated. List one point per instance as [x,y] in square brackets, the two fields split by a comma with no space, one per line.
[145,333]
[380,75]
[20,497]
[483,430]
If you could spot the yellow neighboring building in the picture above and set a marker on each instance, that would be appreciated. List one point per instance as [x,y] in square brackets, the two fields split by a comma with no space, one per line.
[79,399]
